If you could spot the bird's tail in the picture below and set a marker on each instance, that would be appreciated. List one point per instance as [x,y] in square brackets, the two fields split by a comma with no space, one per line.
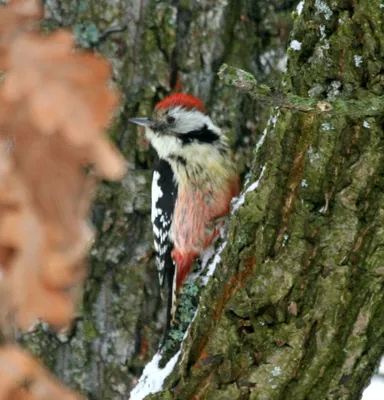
[177,266]
[169,289]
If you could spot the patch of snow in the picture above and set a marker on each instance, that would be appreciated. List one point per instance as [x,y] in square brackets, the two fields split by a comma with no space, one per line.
[326,126]
[247,179]
[207,268]
[323,37]
[261,140]
[300,7]
[206,256]
[375,390]
[295,45]
[366,124]
[322,32]
[153,377]
[213,264]
[238,201]
[358,60]
[272,120]
[334,91]
[323,8]
[255,184]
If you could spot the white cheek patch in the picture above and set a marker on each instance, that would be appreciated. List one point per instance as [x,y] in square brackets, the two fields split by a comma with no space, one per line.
[163,144]
[193,120]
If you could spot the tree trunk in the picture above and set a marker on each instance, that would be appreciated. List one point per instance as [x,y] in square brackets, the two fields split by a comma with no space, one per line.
[155,47]
[295,308]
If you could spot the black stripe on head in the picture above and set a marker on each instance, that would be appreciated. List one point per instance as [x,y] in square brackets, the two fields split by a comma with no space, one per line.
[203,135]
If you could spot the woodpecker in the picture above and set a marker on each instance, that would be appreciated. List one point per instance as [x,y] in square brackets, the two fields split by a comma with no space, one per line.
[194,181]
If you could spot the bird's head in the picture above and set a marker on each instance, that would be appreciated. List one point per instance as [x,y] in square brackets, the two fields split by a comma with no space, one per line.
[179,120]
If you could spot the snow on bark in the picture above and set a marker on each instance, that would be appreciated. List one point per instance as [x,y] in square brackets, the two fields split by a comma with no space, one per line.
[153,377]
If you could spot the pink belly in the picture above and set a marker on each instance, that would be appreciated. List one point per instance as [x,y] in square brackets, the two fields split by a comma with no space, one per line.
[194,226]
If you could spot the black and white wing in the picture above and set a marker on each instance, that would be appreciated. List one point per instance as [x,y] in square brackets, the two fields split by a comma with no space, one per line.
[164,192]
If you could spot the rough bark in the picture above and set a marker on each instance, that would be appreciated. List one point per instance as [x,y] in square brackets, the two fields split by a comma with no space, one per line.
[155,47]
[295,309]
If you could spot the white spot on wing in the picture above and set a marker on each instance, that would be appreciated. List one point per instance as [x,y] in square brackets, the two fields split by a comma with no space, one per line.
[156,195]
[156,231]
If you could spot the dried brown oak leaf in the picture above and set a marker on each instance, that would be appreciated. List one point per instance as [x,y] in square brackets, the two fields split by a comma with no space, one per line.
[65,91]
[23,378]
[52,171]
[26,292]
[16,16]
[54,105]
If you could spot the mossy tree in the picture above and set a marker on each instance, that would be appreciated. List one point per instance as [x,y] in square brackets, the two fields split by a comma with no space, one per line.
[295,309]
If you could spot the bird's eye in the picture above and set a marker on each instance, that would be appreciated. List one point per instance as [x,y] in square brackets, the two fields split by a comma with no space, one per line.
[170,119]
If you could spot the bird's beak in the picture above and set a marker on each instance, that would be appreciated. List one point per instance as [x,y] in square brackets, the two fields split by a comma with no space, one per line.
[142,121]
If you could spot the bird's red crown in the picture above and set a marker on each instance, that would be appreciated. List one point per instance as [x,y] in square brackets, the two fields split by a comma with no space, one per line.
[181,100]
